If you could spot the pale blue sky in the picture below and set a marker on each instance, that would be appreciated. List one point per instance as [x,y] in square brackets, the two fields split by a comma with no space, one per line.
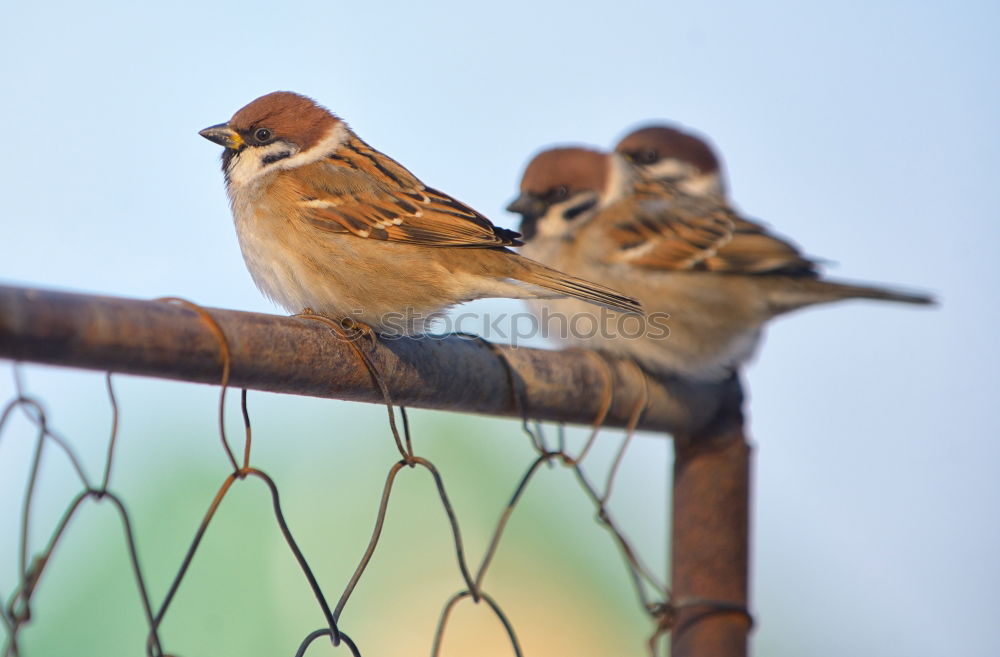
[867,131]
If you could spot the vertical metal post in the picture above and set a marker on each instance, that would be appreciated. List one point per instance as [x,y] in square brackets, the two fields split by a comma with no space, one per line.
[710,536]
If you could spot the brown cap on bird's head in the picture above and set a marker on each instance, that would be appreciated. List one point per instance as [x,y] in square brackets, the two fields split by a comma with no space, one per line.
[283,115]
[662,151]
[576,168]
[657,142]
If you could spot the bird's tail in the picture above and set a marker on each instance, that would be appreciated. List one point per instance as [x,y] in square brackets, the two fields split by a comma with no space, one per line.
[535,273]
[786,297]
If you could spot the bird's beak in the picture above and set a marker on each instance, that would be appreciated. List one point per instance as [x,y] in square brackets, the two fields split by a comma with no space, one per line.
[527,206]
[223,135]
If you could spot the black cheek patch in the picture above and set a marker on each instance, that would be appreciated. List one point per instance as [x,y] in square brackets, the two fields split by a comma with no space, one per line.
[575,211]
[227,156]
[274,157]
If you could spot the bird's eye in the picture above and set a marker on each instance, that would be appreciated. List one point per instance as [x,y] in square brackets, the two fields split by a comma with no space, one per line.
[262,135]
[559,193]
[647,156]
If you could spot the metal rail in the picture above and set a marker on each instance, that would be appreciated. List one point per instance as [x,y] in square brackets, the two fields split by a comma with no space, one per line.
[305,357]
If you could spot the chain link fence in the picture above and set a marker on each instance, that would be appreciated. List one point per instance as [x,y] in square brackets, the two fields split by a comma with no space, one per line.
[181,340]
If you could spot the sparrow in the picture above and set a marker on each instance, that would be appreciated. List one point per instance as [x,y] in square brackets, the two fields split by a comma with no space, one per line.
[667,153]
[329,225]
[681,160]
[711,277]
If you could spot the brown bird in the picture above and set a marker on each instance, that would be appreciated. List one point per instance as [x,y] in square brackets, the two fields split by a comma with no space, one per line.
[711,277]
[328,224]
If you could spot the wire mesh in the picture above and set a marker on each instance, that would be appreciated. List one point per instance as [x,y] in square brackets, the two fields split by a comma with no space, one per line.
[651,594]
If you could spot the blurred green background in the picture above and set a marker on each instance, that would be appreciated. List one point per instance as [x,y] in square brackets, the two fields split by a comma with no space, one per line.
[557,574]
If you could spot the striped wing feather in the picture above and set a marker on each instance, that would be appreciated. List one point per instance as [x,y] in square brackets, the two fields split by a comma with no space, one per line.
[360,191]
[661,228]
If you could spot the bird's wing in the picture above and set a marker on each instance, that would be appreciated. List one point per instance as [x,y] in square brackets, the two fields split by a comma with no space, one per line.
[755,250]
[669,230]
[364,193]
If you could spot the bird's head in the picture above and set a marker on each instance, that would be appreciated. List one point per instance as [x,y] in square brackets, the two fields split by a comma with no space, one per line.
[662,152]
[278,131]
[562,189]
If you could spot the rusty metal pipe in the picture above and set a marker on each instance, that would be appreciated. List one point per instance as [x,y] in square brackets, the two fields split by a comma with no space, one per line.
[299,356]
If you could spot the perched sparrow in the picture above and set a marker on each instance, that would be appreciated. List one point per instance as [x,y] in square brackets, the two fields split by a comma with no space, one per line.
[681,161]
[719,277]
[662,152]
[329,224]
